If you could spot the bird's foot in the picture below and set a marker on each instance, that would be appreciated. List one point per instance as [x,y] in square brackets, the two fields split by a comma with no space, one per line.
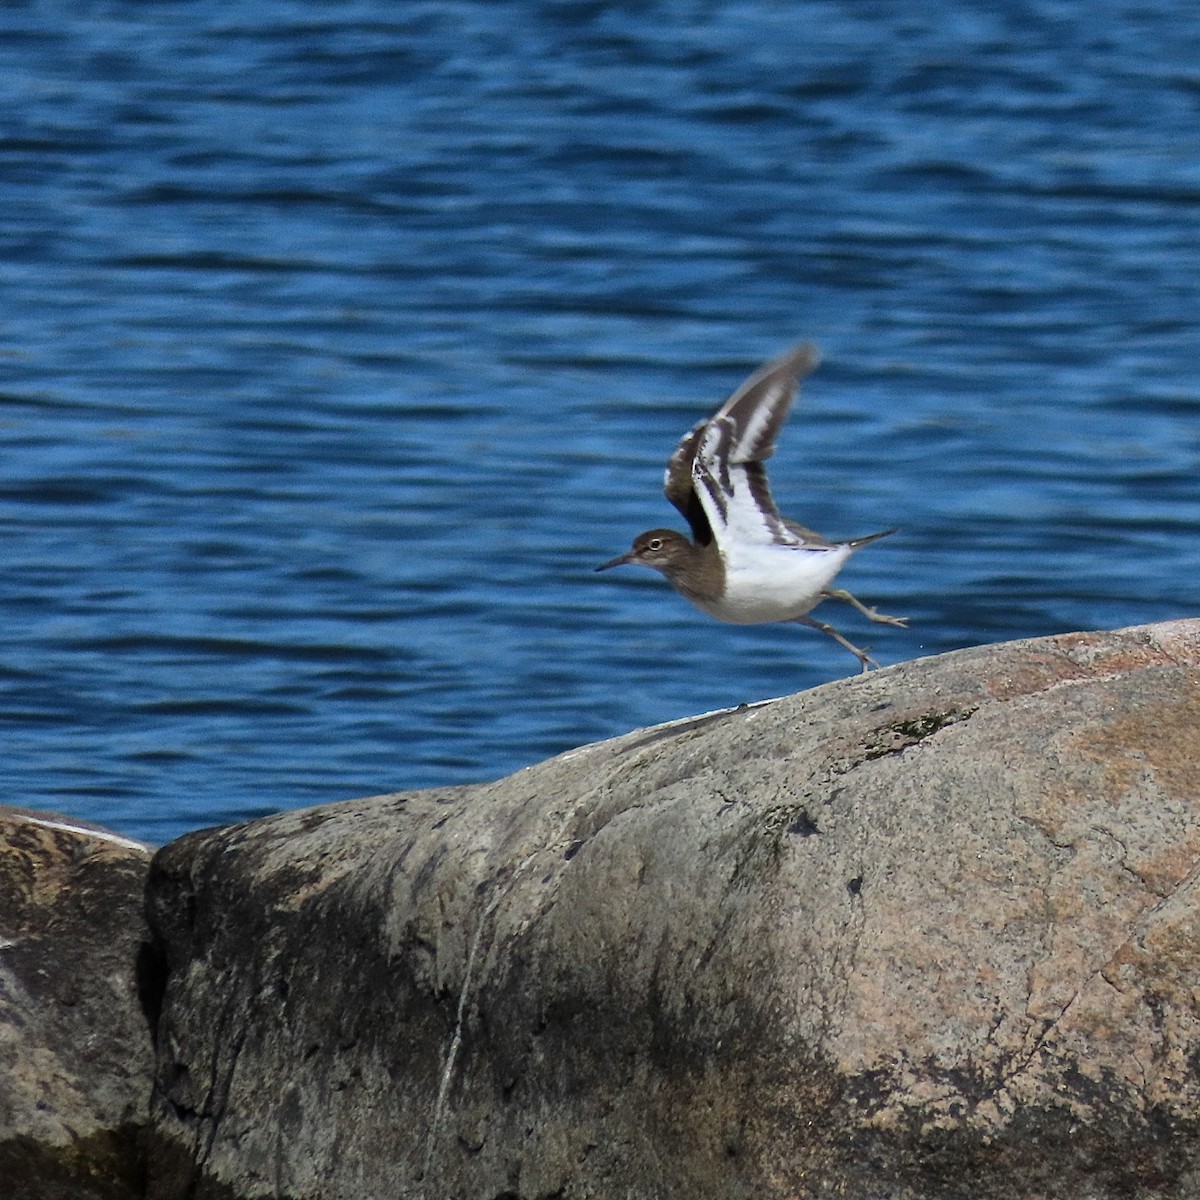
[865,660]
[871,613]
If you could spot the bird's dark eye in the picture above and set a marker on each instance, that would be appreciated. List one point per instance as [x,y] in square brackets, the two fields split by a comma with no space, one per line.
[654,544]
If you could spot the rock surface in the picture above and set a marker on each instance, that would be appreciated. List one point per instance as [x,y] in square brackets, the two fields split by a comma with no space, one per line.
[76,1059]
[926,933]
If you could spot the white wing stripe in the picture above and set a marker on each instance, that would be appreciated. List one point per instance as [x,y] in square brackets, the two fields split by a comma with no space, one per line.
[748,445]
[727,494]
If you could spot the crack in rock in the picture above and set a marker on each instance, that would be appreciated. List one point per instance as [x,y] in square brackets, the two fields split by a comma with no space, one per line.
[898,736]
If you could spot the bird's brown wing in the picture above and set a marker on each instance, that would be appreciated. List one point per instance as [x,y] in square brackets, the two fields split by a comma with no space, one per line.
[760,406]
[679,488]
[749,422]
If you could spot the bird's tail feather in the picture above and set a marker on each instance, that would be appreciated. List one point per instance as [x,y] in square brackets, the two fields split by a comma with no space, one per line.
[854,543]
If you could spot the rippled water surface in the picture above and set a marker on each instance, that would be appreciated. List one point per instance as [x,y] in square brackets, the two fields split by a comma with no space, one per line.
[339,342]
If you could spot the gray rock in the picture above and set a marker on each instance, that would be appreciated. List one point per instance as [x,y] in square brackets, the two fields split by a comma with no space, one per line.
[75,1048]
[927,933]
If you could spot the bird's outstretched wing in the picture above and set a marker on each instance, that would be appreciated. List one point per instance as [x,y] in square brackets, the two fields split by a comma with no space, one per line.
[716,477]
[760,406]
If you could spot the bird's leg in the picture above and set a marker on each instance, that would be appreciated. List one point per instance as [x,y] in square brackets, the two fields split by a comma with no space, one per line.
[872,614]
[863,657]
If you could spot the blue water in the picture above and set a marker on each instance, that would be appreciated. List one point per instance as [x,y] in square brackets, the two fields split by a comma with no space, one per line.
[339,342]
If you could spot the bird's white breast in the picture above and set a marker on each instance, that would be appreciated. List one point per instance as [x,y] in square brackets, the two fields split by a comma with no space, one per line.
[775,583]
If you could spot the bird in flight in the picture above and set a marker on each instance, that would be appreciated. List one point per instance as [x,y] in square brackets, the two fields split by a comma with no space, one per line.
[744,563]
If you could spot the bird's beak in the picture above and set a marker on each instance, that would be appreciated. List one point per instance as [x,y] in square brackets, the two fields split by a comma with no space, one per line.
[616,562]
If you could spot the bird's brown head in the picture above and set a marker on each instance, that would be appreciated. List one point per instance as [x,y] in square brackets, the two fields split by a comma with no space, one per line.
[661,549]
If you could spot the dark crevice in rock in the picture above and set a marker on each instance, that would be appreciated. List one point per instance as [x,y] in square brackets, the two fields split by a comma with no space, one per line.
[898,736]
[150,974]
[803,825]
[108,1165]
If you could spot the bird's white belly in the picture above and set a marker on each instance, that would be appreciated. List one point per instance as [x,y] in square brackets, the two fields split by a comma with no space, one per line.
[775,583]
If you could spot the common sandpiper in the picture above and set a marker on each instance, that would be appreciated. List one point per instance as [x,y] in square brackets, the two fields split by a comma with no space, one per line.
[744,562]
